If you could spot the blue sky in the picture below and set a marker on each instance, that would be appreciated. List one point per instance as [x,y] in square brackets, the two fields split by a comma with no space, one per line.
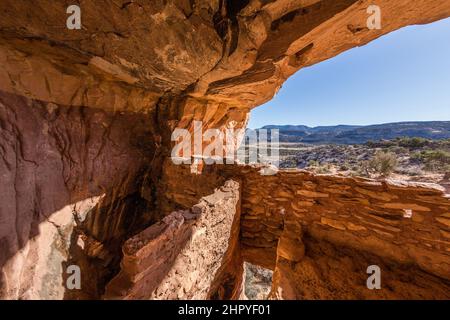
[403,76]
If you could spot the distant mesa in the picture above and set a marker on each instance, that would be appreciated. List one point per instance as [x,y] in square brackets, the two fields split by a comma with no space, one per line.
[348,134]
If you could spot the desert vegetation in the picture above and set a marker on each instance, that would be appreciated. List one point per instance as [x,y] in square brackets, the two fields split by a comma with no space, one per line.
[415,159]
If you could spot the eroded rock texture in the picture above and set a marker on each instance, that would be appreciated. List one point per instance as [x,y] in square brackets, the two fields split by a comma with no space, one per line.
[220,58]
[181,256]
[85,123]
[319,233]
[54,160]
[330,228]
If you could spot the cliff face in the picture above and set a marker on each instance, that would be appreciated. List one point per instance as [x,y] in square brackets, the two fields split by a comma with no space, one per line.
[85,121]
[59,162]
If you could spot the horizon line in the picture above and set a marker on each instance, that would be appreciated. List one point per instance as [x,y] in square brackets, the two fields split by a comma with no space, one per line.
[354,125]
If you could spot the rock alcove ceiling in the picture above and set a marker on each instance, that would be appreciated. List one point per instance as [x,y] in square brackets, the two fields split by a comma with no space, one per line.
[85,120]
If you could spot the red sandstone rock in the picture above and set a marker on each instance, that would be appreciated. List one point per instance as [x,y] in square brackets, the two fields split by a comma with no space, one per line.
[85,123]
[181,256]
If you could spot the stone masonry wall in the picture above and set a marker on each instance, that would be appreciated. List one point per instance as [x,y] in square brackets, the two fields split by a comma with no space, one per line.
[320,232]
[408,222]
[181,256]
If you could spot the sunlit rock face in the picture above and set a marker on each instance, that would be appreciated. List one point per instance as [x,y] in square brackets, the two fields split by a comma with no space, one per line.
[86,118]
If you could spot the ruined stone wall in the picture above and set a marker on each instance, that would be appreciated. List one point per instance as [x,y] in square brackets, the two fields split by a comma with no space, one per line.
[190,254]
[320,233]
[309,227]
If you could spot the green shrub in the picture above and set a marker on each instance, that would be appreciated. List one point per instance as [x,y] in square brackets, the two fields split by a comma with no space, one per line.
[324,169]
[412,143]
[382,163]
[399,150]
[434,160]
[319,168]
[313,163]
[362,169]
[380,144]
